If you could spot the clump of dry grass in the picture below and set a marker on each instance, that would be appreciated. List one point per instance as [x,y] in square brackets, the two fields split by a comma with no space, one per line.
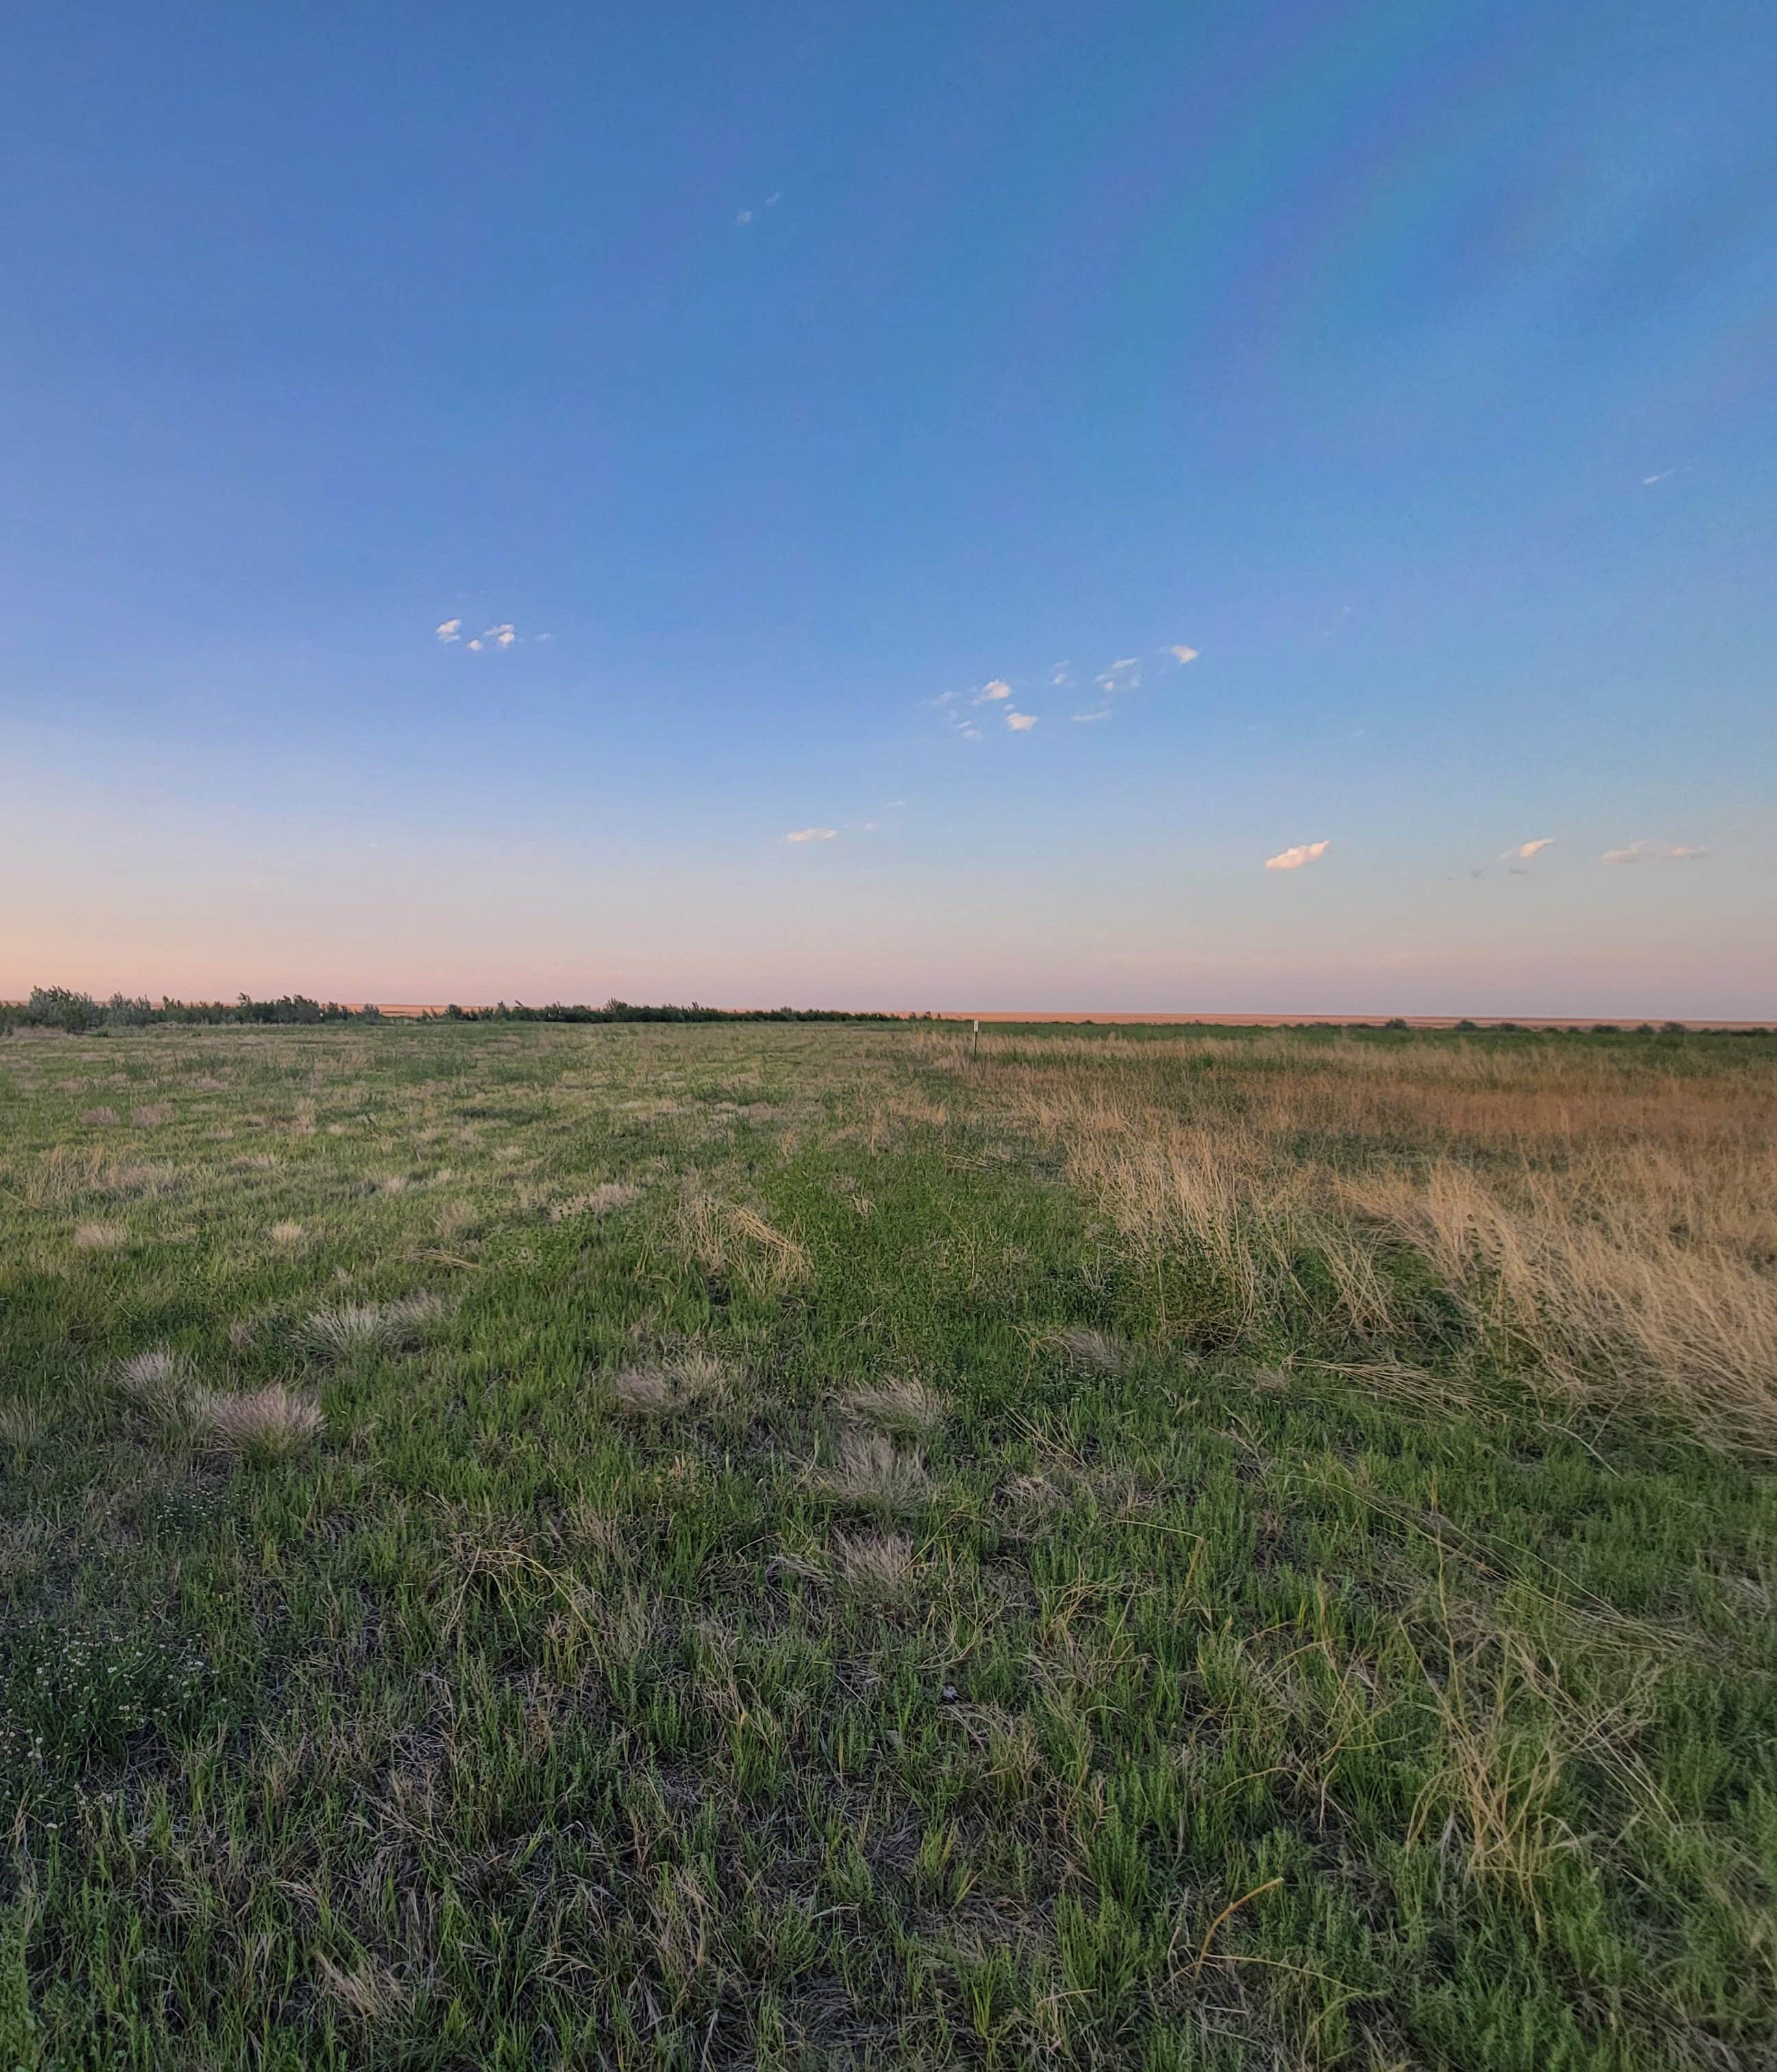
[287,1234]
[162,1384]
[262,1424]
[20,1425]
[98,1115]
[873,1469]
[356,1327]
[878,1567]
[604,1200]
[151,1114]
[908,1408]
[1083,1346]
[149,1377]
[723,1237]
[100,1237]
[692,1379]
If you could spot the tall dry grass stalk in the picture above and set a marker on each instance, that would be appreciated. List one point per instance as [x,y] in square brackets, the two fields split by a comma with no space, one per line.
[1608,1218]
[726,1237]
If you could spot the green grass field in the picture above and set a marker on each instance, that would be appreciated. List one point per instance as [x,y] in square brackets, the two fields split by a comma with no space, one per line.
[750,1546]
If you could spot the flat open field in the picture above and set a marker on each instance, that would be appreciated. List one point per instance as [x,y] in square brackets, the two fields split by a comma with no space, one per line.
[730,1546]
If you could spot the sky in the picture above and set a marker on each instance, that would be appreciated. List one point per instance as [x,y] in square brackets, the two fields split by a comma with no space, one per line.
[1121,506]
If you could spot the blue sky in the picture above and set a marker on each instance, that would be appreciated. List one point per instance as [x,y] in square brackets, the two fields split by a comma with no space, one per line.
[784,379]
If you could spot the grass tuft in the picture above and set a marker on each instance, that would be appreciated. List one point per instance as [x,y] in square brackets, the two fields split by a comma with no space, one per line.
[363,1327]
[100,1237]
[262,1424]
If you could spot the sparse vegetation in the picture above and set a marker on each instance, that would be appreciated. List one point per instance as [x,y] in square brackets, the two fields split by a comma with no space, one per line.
[1250,1548]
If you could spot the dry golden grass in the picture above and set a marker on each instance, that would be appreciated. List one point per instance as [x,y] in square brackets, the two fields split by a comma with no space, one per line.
[908,1408]
[155,1380]
[1082,1346]
[725,1237]
[603,1200]
[100,1237]
[357,1327]
[877,1567]
[263,1422]
[874,1470]
[20,1425]
[689,1379]
[1615,1225]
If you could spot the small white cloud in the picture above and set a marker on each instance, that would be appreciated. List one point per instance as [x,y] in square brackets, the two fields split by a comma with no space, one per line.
[813,834]
[1665,473]
[892,805]
[773,200]
[451,630]
[1523,852]
[969,731]
[1293,859]
[543,636]
[502,636]
[474,646]
[992,693]
[1086,718]
[1182,655]
[1060,678]
[1123,676]
[744,216]
[1653,852]
[1020,722]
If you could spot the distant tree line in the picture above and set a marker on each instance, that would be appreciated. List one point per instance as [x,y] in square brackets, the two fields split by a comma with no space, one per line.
[61,1007]
[629,1010]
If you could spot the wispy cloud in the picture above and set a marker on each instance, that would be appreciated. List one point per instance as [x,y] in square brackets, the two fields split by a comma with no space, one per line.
[505,635]
[1123,676]
[1665,475]
[1020,722]
[1523,852]
[1293,859]
[813,834]
[1182,655]
[992,693]
[945,705]
[744,216]
[1060,678]
[748,215]
[1653,852]
[1086,718]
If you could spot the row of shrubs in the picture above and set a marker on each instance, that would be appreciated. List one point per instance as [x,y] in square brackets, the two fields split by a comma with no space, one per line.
[627,1010]
[61,1007]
